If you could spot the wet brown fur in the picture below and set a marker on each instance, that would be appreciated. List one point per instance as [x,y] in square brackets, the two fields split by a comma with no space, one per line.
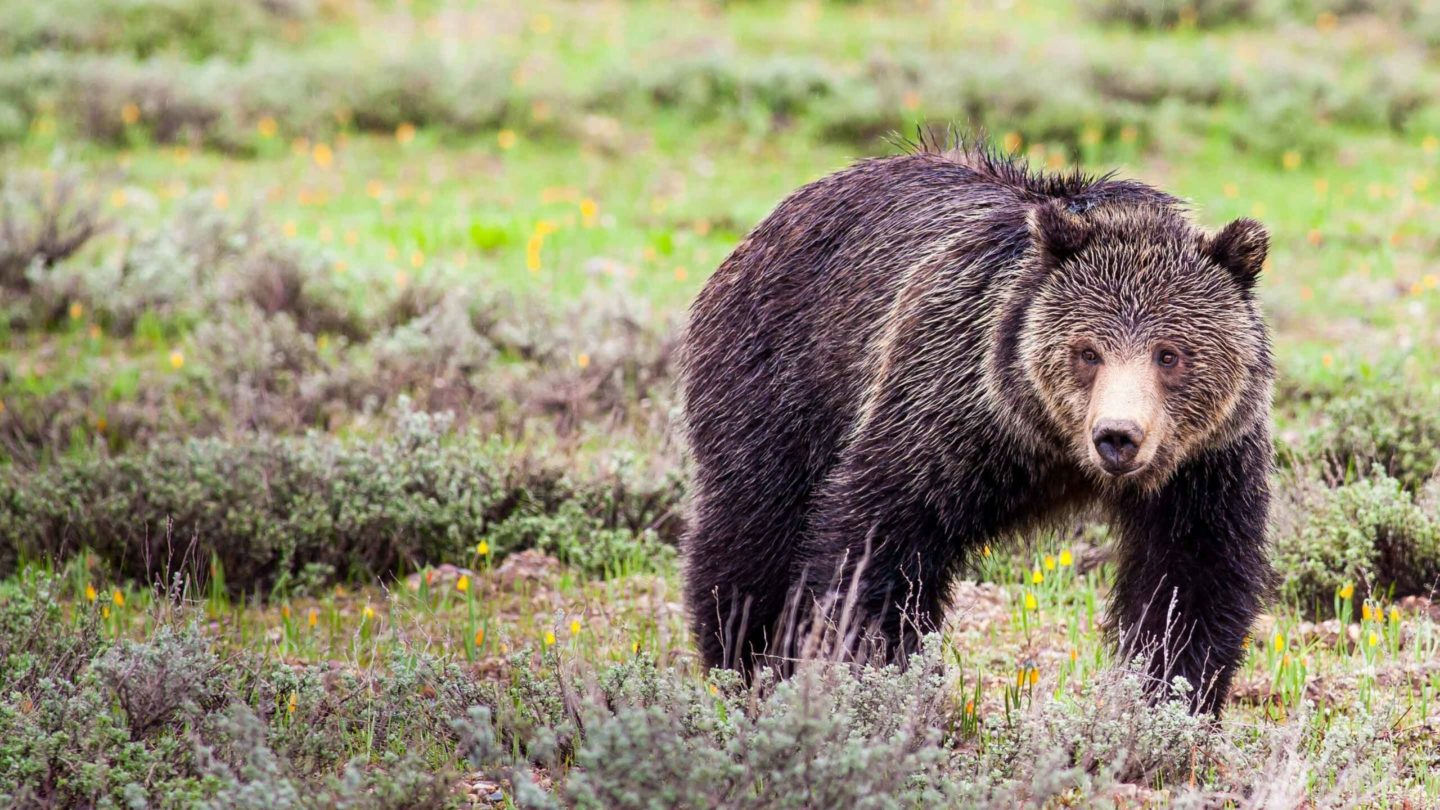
[881,379]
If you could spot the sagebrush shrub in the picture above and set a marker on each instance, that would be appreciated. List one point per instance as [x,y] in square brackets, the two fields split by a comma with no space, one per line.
[169,678]
[1170,13]
[197,28]
[218,102]
[643,737]
[1370,533]
[272,509]
[1394,425]
[1118,732]
[43,222]
[166,722]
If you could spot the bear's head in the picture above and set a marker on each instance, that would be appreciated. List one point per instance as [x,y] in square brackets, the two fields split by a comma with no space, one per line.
[1140,337]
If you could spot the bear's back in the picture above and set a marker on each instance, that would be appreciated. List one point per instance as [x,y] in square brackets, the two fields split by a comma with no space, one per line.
[776,358]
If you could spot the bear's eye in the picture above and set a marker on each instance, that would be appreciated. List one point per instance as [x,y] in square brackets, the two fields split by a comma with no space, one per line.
[1090,356]
[1167,358]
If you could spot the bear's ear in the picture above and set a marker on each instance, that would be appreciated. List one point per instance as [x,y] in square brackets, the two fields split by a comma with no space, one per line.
[1058,233]
[1240,248]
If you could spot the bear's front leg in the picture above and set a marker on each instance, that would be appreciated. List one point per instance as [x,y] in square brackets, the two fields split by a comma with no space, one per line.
[1194,570]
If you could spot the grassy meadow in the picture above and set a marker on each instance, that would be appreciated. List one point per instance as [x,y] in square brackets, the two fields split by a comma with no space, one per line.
[337,453]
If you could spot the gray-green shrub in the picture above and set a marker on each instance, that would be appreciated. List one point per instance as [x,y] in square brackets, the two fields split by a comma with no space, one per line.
[1389,422]
[44,220]
[273,509]
[166,722]
[1370,533]
[196,28]
[1147,14]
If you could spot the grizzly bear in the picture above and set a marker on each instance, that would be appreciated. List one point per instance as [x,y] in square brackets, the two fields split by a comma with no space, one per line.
[927,353]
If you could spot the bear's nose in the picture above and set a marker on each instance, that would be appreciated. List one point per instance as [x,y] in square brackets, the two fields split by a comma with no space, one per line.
[1118,442]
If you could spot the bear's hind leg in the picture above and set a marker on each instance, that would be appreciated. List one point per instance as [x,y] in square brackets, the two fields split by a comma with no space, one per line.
[738,555]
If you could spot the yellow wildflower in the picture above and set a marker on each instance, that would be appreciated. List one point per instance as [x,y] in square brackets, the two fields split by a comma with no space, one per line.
[463,583]
[90,594]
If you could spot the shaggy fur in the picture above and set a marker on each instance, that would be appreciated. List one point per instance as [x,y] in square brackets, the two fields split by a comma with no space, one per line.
[883,377]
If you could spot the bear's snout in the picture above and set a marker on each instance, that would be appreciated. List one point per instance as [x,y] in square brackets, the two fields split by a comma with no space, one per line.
[1117,441]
